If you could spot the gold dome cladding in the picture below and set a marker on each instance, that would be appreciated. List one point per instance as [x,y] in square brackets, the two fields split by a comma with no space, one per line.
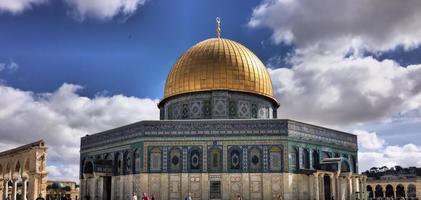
[218,64]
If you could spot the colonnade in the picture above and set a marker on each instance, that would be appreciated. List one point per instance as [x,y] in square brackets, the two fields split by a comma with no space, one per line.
[343,186]
[407,192]
[14,190]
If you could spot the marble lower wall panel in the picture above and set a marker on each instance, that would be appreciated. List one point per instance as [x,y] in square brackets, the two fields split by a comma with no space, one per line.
[253,186]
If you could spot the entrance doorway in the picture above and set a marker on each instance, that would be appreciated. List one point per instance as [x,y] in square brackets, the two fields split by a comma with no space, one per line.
[107,188]
[215,190]
[326,186]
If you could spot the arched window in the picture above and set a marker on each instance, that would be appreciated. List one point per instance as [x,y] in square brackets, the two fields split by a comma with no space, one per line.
[400,191]
[294,158]
[127,162]
[235,159]
[137,161]
[155,159]
[175,161]
[118,164]
[345,166]
[195,159]
[389,191]
[215,160]
[306,159]
[315,158]
[354,164]
[412,191]
[255,159]
[17,169]
[88,168]
[325,155]
[275,159]
[370,191]
[379,191]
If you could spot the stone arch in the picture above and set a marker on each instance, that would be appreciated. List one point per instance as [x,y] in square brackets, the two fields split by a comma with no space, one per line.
[155,159]
[26,168]
[306,158]
[345,166]
[354,164]
[412,191]
[370,191]
[136,160]
[8,171]
[175,159]
[17,170]
[389,191]
[325,154]
[118,163]
[127,162]
[400,191]
[294,158]
[378,191]
[275,158]
[88,169]
[315,158]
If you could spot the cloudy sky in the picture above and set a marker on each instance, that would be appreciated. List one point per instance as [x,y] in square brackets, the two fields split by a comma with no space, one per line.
[74,67]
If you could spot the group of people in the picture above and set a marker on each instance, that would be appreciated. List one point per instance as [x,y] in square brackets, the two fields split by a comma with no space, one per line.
[188,197]
[146,197]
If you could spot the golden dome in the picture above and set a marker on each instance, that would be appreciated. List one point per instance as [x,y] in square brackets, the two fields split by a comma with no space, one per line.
[218,64]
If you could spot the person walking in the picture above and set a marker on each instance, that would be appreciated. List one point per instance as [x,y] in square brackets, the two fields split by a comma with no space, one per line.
[134,197]
[145,196]
[188,197]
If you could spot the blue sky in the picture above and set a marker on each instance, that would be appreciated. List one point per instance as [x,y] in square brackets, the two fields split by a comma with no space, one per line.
[123,56]
[74,67]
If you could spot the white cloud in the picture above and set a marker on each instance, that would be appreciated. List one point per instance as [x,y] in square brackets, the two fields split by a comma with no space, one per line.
[103,10]
[18,6]
[63,172]
[11,66]
[341,25]
[62,117]
[369,141]
[373,152]
[343,91]
[406,156]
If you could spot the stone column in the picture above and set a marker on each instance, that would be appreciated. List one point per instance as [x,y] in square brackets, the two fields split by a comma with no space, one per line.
[351,188]
[311,186]
[24,188]
[316,187]
[332,186]
[14,189]
[322,186]
[354,187]
[5,188]
[338,186]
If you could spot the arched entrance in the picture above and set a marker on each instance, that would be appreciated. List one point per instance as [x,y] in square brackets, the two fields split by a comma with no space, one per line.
[370,192]
[379,191]
[326,185]
[412,191]
[315,158]
[400,191]
[389,191]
